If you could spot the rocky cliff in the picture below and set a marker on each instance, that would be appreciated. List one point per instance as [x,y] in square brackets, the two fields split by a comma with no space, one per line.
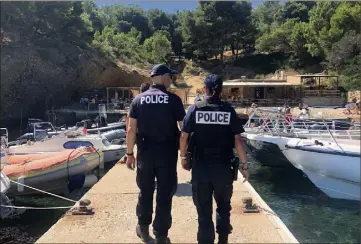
[36,76]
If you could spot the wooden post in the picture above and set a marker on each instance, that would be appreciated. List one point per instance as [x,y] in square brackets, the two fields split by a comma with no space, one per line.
[301,90]
[107,99]
[337,84]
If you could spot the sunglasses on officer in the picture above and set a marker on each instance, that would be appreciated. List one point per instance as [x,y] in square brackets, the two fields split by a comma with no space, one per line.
[172,76]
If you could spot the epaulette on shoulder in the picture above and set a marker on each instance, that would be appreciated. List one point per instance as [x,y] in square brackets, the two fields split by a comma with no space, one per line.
[200,104]
[228,104]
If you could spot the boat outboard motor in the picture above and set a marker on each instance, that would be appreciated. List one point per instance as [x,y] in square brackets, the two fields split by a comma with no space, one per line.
[102,122]
[87,123]
[5,212]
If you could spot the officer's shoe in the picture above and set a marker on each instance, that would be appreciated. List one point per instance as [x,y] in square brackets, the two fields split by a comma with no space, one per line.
[222,239]
[143,232]
[162,240]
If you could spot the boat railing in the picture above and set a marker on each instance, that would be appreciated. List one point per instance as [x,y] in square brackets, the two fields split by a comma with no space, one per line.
[275,123]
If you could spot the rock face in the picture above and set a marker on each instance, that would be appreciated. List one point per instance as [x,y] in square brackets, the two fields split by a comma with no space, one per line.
[47,60]
[35,77]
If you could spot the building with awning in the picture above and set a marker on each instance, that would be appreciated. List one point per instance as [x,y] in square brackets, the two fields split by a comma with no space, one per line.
[319,89]
[116,96]
[312,89]
[261,91]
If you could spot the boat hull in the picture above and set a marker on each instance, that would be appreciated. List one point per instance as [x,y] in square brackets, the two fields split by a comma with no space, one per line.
[336,175]
[267,154]
[55,179]
[267,150]
[335,188]
[111,155]
[111,152]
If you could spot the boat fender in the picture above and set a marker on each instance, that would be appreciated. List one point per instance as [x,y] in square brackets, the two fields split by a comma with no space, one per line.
[90,180]
[76,181]
[21,185]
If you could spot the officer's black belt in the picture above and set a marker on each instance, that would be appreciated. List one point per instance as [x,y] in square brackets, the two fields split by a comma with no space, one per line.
[146,141]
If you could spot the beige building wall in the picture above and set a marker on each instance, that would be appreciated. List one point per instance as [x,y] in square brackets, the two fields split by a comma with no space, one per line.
[182,93]
[294,80]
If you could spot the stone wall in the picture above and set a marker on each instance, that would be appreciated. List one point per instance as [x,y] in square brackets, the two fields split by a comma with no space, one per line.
[324,101]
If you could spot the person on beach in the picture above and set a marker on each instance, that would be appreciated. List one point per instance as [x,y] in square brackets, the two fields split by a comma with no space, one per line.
[211,129]
[143,87]
[352,107]
[197,98]
[153,119]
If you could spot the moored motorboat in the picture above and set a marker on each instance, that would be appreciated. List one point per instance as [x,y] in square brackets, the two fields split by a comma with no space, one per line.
[333,166]
[111,152]
[55,172]
[267,131]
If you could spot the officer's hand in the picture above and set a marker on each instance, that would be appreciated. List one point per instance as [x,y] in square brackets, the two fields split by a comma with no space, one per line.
[123,160]
[245,174]
[130,162]
[184,164]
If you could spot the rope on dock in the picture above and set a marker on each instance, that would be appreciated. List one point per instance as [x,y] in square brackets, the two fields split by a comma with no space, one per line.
[51,194]
[37,208]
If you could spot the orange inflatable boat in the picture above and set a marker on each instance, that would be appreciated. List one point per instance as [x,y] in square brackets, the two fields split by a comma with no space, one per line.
[50,171]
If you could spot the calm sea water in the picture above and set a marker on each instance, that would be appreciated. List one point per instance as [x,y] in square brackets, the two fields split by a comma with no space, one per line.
[309,215]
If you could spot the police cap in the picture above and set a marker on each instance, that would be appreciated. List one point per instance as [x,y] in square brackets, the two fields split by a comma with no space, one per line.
[162,69]
[214,83]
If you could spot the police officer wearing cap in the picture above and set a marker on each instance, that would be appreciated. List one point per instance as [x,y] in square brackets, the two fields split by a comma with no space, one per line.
[153,124]
[215,129]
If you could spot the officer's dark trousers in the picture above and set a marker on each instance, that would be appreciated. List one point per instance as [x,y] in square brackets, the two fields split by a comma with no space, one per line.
[212,178]
[156,162]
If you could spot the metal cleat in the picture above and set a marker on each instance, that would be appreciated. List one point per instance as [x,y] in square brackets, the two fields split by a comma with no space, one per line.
[248,207]
[83,208]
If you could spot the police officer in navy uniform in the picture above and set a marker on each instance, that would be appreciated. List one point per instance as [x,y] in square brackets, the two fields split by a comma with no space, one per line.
[155,117]
[215,130]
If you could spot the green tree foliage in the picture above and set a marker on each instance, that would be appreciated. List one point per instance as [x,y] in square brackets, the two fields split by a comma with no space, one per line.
[325,33]
[304,32]
[158,48]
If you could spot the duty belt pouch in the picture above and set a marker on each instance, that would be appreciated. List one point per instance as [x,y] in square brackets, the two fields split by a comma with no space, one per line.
[235,167]
[189,161]
[178,134]
[141,142]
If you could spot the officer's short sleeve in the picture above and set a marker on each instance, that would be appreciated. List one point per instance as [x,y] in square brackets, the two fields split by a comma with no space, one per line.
[133,109]
[236,123]
[179,108]
[188,122]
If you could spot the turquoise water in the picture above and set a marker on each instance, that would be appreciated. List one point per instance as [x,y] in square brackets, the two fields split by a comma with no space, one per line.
[305,210]
[310,216]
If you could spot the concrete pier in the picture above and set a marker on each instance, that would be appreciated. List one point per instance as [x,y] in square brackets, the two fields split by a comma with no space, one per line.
[114,199]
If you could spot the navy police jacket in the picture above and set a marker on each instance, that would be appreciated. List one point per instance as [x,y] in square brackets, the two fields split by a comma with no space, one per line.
[157,112]
[213,124]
